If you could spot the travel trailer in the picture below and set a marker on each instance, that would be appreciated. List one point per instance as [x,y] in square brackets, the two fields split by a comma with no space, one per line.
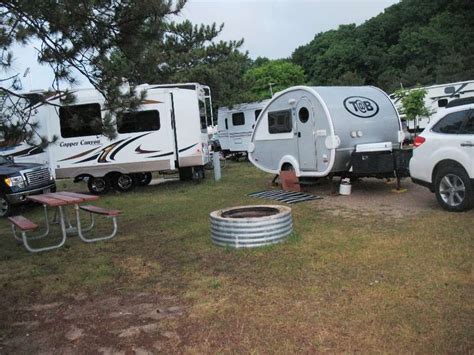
[437,98]
[236,124]
[167,132]
[327,131]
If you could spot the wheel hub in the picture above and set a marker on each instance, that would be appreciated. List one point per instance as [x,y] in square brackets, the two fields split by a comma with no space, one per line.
[452,190]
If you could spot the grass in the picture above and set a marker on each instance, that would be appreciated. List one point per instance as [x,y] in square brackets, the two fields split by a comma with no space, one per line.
[366,283]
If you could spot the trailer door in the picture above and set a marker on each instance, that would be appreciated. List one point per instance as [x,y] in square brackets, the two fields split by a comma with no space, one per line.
[305,124]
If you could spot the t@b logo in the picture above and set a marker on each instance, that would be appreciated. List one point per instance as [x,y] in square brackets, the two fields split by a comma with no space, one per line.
[361,106]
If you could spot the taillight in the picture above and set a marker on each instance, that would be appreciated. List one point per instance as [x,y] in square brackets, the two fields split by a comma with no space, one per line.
[419,140]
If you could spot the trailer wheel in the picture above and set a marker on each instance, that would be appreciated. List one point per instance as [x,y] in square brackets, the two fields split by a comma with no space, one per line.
[98,185]
[123,182]
[287,167]
[143,179]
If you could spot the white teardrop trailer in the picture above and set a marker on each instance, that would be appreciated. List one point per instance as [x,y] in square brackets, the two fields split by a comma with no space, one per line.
[330,131]
[167,132]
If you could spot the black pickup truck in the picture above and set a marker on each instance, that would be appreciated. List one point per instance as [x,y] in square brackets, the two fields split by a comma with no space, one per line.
[18,180]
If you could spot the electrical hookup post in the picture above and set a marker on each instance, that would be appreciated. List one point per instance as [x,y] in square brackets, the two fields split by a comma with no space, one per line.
[217,166]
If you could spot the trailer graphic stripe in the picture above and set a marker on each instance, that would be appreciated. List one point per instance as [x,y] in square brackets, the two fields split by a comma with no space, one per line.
[80,154]
[187,148]
[27,152]
[170,153]
[139,150]
[94,157]
[106,151]
[112,156]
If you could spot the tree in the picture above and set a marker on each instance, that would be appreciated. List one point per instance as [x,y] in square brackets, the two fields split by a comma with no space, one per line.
[107,41]
[272,76]
[411,42]
[413,104]
[82,36]
[189,53]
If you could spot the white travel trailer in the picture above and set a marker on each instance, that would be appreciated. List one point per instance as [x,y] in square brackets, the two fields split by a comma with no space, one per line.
[437,98]
[167,132]
[236,124]
[327,131]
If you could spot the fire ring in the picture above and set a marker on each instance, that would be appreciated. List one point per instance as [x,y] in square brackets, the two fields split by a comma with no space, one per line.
[251,226]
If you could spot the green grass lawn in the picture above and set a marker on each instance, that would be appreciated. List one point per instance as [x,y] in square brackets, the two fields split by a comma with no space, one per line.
[367,283]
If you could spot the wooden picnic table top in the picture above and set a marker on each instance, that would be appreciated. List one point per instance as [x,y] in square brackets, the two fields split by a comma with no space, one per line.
[54,199]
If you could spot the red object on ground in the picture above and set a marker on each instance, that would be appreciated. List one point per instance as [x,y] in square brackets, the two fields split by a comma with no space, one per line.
[289,181]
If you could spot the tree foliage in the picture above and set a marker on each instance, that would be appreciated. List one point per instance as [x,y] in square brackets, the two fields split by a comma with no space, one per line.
[412,42]
[413,105]
[109,41]
[189,53]
[272,75]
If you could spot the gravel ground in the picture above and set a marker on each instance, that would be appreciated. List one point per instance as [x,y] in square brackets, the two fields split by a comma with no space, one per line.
[370,195]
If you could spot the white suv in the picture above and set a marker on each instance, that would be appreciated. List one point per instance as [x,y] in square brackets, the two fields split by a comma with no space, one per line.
[443,159]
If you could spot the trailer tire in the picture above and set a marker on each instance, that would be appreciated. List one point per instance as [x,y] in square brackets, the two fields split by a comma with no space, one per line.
[98,185]
[143,179]
[123,182]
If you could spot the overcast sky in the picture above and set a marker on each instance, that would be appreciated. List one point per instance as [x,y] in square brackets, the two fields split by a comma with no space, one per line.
[272,29]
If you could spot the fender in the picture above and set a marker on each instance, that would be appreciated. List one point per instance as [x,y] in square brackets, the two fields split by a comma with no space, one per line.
[289,159]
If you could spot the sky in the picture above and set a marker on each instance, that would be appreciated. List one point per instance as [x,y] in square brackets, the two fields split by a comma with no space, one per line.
[270,28]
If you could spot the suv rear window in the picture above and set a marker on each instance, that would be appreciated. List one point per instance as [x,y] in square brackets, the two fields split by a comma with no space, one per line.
[469,126]
[451,123]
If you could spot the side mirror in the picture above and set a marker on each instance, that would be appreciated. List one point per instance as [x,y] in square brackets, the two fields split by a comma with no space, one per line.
[10,157]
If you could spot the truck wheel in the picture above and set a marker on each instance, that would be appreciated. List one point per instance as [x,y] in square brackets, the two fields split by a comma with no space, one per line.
[143,179]
[98,185]
[124,182]
[5,207]
[453,189]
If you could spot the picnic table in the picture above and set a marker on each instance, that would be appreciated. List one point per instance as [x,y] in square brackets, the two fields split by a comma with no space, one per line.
[60,201]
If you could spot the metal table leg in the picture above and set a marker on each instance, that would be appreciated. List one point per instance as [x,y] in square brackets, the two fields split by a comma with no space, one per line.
[61,243]
[91,240]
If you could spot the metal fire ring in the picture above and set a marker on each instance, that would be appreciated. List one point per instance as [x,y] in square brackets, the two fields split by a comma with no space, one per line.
[251,226]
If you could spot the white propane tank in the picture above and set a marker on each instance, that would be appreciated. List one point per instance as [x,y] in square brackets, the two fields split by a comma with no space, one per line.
[345,187]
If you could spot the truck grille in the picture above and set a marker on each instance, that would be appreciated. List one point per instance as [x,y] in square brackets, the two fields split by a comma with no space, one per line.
[38,177]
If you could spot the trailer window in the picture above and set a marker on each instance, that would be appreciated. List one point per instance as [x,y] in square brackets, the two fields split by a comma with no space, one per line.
[80,120]
[279,121]
[303,114]
[238,119]
[257,113]
[139,121]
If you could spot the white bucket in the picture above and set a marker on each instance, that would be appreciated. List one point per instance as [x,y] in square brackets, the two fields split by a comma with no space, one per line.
[345,188]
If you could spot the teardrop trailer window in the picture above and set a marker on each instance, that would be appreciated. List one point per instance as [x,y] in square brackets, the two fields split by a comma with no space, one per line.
[279,121]
[303,114]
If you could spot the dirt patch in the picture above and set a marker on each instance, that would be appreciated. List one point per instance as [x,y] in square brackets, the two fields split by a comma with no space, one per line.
[110,325]
[377,196]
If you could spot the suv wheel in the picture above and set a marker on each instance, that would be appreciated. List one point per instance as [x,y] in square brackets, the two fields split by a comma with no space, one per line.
[5,207]
[98,185]
[453,189]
